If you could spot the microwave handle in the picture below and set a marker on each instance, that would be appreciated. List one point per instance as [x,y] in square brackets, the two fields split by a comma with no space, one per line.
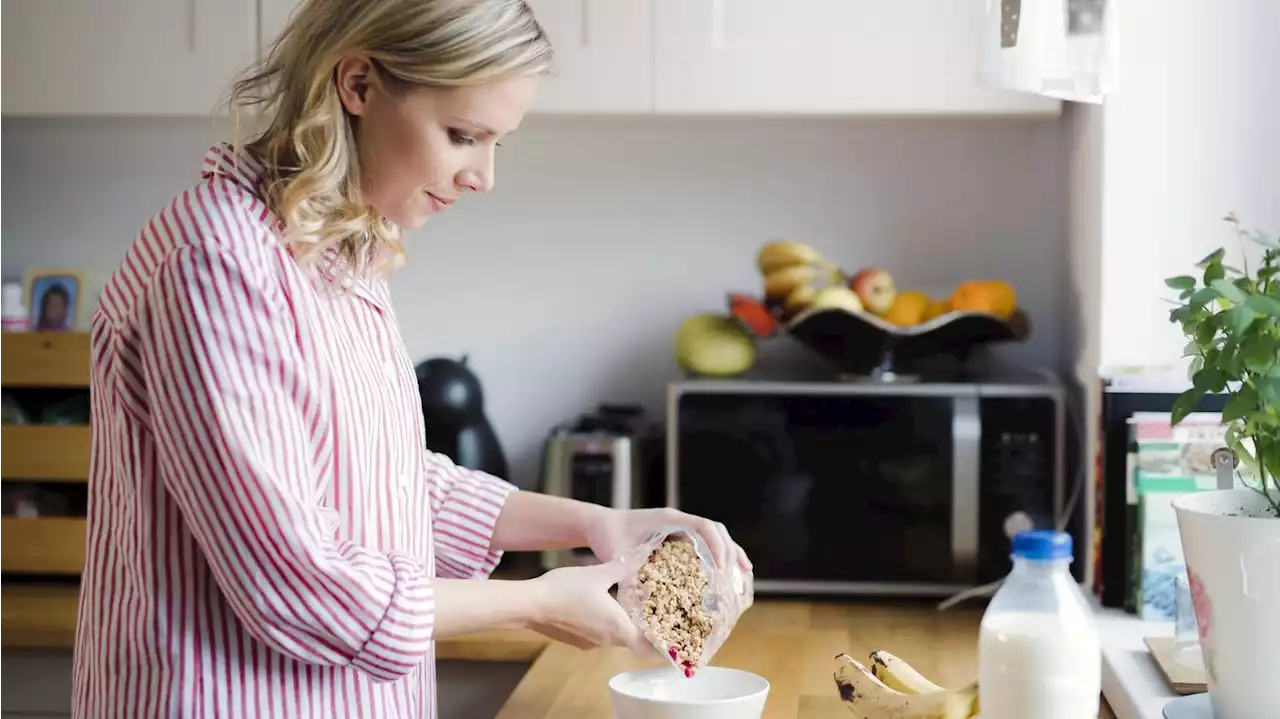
[966,445]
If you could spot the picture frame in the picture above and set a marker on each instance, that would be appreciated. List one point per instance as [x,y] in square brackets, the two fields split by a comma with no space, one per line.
[53,298]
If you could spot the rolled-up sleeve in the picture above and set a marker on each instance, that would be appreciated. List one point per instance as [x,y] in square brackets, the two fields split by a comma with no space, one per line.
[243,433]
[465,505]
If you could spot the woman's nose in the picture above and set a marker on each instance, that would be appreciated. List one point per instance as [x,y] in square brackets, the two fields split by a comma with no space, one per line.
[477,179]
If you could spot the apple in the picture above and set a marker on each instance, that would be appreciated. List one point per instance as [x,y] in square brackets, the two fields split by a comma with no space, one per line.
[875,288]
[714,345]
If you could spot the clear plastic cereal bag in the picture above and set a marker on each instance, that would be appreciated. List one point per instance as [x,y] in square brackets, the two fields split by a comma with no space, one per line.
[674,593]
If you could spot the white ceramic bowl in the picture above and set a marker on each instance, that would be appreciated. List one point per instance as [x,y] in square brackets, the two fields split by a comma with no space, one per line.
[665,693]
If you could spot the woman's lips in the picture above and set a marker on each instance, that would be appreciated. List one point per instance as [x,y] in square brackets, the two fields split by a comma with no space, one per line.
[440,202]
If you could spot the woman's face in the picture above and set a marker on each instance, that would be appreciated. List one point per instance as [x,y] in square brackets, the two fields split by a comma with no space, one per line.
[422,148]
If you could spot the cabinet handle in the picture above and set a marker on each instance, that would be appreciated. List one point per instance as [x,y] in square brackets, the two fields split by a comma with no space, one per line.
[584,27]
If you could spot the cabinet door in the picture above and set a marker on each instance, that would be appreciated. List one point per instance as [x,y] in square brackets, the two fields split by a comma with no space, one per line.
[604,56]
[604,53]
[124,57]
[826,56]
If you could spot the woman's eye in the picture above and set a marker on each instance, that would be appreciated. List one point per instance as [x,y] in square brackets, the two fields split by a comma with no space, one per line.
[458,138]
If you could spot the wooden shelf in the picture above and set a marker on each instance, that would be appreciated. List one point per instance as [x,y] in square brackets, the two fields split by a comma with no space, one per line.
[44,359]
[42,545]
[45,453]
[38,615]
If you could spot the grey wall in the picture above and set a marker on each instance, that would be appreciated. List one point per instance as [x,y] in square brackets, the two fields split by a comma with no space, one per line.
[565,284]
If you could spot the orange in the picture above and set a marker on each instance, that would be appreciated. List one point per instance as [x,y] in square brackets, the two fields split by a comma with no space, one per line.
[936,308]
[908,309]
[992,296]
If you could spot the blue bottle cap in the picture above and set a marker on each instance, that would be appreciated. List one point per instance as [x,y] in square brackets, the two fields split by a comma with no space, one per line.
[1042,544]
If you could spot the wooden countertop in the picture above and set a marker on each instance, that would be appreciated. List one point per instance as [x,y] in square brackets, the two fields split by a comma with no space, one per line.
[789,642]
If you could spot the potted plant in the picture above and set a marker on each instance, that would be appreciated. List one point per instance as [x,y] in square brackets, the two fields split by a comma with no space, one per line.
[1231,537]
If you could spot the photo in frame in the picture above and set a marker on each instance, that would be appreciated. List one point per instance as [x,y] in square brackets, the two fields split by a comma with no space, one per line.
[53,299]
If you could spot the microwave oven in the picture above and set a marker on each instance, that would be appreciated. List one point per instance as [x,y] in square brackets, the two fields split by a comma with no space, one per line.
[864,487]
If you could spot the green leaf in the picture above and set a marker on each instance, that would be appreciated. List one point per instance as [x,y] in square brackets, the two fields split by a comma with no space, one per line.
[1201,297]
[1264,305]
[1213,272]
[1265,241]
[1269,389]
[1229,290]
[1214,257]
[1205,333]
[1182,282]
[1258,351]
[1197,363]
[1239,319]
[1185,404]
[1210,379]
[1240,404]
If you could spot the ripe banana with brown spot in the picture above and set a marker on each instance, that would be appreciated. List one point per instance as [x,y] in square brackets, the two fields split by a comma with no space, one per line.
[866,697]
[778,254]
[900,675]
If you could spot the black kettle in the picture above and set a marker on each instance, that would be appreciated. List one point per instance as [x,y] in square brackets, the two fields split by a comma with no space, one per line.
[453,408]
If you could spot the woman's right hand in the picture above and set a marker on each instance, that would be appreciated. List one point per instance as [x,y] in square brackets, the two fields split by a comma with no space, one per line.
[574,607]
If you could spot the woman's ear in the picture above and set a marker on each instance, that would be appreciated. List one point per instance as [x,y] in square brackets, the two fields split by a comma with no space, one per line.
[354,76]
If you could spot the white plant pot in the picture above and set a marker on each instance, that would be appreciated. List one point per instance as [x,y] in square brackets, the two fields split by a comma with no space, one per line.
[1231,542]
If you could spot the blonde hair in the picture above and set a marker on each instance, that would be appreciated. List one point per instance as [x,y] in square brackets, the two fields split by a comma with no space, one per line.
[312,176]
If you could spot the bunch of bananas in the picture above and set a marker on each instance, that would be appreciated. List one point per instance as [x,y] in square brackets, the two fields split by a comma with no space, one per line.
[893,689]
[797,277]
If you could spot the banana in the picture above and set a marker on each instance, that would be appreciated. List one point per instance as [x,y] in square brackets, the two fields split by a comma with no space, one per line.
[866,697]
[779,284]
[800,299]
[897,674]
[778,254]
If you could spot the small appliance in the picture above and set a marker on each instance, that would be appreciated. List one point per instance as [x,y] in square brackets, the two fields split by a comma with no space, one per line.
[597,457]
[839,487]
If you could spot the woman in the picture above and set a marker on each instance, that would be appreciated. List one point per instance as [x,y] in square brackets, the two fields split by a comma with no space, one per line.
[268,536]
[54,305]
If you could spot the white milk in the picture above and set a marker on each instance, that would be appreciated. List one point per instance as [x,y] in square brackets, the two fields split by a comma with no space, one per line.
[1039,656]
[1032,669]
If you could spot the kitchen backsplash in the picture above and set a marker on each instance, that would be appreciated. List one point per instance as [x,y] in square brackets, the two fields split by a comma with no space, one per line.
[565,284]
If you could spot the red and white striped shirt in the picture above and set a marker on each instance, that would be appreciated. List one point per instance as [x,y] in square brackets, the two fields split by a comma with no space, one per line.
[264,519]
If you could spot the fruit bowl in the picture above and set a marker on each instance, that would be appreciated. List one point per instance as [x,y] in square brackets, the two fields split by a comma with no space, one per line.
[864,344]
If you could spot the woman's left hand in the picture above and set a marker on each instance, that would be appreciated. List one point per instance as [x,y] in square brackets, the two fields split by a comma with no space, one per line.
[620,530]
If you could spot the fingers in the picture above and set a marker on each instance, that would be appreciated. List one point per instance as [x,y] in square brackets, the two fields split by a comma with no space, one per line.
[715,539]
[611,572]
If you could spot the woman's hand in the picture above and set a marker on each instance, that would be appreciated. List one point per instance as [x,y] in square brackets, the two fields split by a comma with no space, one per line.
[574,607]
[618,530]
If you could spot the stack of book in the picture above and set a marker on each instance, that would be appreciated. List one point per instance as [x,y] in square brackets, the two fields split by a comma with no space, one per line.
[1164,463]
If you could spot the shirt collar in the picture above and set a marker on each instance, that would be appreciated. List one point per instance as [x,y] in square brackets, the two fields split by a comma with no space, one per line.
[223,160]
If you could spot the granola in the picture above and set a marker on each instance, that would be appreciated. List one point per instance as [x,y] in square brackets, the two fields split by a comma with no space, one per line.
[674,584]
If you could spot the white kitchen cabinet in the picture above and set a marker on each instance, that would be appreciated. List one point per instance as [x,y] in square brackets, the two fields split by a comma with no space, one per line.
[889,57]
[604,53]
[604,56]
[123,57]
